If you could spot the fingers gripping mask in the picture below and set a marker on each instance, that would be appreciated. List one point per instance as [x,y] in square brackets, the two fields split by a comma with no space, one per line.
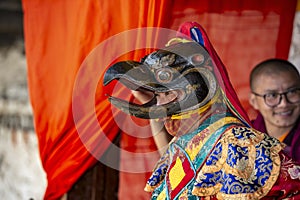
[183,68]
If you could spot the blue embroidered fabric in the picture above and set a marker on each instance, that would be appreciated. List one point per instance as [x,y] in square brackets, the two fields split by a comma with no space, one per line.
[234,174]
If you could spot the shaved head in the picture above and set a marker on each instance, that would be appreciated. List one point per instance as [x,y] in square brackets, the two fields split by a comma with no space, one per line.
[271,66]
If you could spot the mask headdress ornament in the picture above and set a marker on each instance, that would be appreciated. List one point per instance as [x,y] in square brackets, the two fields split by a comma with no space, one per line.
[194,31]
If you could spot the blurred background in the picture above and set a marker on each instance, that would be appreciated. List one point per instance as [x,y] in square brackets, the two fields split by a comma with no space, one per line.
[21,173]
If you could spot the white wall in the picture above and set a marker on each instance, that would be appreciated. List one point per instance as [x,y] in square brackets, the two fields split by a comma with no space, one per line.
[21,174]
[294,55]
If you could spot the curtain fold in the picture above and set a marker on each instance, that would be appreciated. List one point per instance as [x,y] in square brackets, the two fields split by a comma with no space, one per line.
[60,35]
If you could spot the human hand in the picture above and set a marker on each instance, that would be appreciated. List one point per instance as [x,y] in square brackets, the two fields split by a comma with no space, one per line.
[142,96]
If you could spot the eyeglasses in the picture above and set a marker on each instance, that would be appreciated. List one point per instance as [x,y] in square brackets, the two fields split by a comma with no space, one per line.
[274,99]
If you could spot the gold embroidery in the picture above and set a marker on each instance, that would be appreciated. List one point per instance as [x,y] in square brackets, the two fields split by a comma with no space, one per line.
[177,40]
[243,168]
[149,188]
[162,195]
[209,191]
[197,142]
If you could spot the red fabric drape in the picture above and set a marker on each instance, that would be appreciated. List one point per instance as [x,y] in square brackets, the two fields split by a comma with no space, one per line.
[59,35]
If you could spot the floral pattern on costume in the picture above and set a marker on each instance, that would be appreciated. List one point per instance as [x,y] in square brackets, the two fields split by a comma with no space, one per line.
[294,172]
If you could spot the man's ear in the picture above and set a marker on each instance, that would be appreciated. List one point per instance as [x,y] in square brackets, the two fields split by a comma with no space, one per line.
[253,101]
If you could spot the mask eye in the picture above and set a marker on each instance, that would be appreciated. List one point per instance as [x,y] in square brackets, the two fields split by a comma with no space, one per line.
[164,75]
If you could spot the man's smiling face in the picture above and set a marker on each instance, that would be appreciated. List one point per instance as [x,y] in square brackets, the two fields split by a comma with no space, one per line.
[285,114]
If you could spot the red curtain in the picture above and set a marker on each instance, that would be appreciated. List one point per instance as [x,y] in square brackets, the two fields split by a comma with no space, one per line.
[60,35]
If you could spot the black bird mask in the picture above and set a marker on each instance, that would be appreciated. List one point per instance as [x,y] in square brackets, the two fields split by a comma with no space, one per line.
[185,67]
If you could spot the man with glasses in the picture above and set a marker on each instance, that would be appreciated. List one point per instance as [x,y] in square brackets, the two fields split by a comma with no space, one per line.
[275,93]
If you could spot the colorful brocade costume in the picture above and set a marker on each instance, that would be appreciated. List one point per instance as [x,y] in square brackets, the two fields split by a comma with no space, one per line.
[224,159]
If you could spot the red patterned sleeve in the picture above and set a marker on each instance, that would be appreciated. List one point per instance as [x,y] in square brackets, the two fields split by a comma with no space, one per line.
[287,185]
